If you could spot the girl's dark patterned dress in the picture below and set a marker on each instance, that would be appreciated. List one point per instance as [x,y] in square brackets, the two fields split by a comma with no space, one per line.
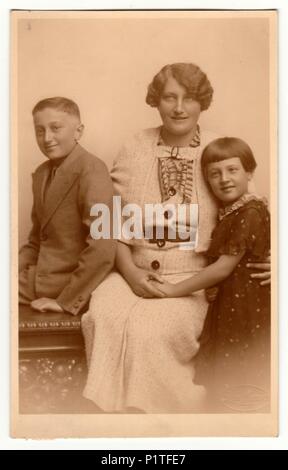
[234,357]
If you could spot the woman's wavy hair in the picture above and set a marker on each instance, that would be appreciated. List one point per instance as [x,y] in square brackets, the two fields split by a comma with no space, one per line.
[188,75]
[225,148]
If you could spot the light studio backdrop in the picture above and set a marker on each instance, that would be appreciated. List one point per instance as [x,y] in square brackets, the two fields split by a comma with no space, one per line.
[106,63]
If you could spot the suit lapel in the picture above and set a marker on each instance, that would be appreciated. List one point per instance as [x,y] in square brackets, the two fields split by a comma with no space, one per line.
[64,179]
[58,189]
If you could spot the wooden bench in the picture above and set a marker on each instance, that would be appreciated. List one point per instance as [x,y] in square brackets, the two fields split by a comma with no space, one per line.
[52,364]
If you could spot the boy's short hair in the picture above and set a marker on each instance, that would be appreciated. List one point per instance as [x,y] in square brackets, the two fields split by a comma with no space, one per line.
[228,147]
[59,103]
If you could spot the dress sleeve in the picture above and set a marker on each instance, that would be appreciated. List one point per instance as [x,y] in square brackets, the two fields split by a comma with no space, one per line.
[122,178]
[249,232]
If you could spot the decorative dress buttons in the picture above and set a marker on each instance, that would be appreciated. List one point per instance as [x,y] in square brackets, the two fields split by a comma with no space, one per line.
[168,214]
[171,191]
[155,264]
[160,243]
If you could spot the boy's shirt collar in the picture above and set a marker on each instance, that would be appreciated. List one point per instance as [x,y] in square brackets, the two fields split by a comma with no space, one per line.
[57,162]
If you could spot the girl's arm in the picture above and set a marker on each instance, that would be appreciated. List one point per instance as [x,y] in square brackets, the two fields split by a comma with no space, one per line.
[209,276]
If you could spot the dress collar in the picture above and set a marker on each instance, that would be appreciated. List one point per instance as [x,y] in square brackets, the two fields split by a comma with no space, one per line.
[247,197]
[195,142]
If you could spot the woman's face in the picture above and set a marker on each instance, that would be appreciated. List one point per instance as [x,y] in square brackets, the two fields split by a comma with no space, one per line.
[178,110]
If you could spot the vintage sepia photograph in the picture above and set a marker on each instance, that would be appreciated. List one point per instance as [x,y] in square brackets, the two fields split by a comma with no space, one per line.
[144,215]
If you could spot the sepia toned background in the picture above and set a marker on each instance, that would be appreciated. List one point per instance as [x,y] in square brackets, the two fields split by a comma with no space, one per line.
[106,64]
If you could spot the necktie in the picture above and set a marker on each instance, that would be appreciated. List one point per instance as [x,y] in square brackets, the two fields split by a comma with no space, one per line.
[50,179]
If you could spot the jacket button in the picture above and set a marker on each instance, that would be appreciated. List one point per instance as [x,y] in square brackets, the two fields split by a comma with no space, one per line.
[155,264]
[43,237]
[160,243]
[171,191]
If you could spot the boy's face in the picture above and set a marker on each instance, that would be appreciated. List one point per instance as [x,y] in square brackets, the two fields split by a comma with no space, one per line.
[228,179]
[56,132]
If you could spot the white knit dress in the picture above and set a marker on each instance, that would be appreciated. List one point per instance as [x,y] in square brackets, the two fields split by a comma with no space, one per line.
[140,351]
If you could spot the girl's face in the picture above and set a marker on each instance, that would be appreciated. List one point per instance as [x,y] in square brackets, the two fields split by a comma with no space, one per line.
[178,110]
[228,179]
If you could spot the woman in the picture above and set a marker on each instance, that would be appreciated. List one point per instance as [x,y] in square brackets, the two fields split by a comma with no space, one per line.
[140,347]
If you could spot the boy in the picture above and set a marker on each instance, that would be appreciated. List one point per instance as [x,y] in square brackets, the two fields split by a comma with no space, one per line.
[61,265]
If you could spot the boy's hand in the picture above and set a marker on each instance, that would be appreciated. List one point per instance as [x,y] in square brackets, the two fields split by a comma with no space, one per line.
[45,304]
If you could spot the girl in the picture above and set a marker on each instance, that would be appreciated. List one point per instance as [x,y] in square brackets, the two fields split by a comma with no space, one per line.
[234,358]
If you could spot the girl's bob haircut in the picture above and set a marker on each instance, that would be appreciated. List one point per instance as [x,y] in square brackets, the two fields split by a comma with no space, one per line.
[225,148]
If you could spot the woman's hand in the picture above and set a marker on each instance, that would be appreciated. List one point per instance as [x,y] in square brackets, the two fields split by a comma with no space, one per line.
[211,293]
[168,289]
[145,283]
[140,280]
[265,275]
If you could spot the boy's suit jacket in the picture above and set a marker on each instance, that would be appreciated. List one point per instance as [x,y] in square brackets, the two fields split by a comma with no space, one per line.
[69,263]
